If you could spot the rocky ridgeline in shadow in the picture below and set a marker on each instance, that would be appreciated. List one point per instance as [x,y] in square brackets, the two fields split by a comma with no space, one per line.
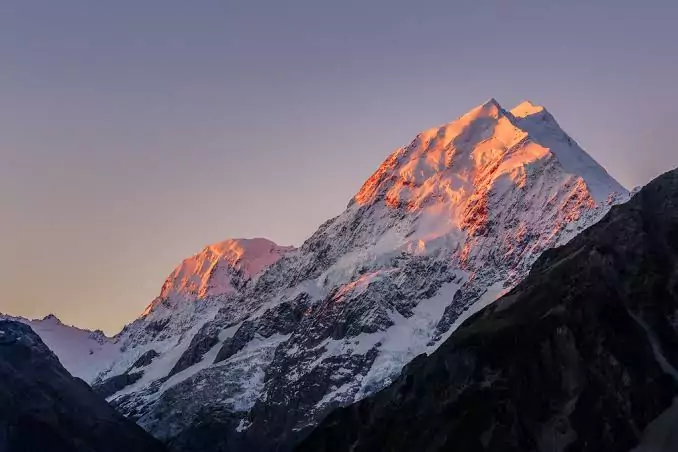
[44,408]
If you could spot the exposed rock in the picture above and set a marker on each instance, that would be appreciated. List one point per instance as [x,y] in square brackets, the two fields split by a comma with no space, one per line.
[84,353]
[580,356]
[234,344]
[207,337]
[43,408]
[114,384]
[145,359]
[281,319]
[279,337]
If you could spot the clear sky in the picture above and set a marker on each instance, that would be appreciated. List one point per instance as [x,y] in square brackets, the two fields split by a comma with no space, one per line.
[133,133]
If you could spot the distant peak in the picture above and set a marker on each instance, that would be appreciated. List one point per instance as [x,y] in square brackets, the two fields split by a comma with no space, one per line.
[447,156]
[527,108]
[51,318]
[491,102]
[210,271]
[488,108]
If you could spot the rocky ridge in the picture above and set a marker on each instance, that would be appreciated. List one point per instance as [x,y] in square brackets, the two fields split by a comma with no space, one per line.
[580,356]
[444,226]
[42,407]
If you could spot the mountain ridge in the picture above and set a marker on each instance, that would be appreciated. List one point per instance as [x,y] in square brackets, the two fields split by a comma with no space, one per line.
[444,225]
[579,356]
[84,353]
[44,408]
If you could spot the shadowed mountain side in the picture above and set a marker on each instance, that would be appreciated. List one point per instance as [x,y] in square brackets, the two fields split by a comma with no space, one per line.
[580,356]
[44,408]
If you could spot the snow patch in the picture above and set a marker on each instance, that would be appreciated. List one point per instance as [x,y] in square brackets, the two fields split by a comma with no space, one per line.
[492,294]
[83,353]
[403,341]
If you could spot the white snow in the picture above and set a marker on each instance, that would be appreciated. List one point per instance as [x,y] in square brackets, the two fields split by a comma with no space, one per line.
[251,363]
[83,353]
[406,339]
[661,434]
[485,194]
[208,273]
[243,425]
[207,360]
[539,123]
[170,351]
[492,294]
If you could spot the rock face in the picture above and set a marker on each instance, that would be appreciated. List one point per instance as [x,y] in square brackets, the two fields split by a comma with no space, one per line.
[580,356]
[84,353]
[256,343]
[446,224]
[115,383]
[176,331]
[43,408]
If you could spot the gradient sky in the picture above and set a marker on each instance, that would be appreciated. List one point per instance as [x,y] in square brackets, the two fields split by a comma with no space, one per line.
[133,133]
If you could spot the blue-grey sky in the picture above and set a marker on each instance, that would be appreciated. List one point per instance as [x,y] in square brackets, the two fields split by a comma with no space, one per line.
[133,133]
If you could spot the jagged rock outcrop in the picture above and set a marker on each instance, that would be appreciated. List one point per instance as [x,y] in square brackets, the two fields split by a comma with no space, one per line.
[44,408]
[580,356]
[111,385]
[145,359]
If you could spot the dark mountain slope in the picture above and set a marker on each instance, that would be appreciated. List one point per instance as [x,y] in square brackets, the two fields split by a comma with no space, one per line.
[44,408]
[580,356]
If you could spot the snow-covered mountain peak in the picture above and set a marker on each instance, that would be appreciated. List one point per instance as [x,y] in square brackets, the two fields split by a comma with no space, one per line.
[445,155]
[51,318]
[275,336]
[445,178]
[489,108]
[211,272]
[527,108]
[545,130]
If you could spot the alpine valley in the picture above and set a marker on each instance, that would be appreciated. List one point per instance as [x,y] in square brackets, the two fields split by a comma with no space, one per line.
[250,344]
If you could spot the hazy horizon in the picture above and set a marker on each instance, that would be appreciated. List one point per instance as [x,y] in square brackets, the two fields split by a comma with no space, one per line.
[133,135]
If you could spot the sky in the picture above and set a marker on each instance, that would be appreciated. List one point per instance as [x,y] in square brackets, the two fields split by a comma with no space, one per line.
[134,133]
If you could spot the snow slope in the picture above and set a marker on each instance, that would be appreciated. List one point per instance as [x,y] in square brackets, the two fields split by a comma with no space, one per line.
[211,272]
[83,353]
[264,340]
[191,296]
[217,272]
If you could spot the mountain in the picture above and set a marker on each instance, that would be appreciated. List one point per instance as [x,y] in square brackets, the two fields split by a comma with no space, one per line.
[42,407]
[219,269]
[247,351]
[215,273]
[171,336]
[84,353]
[581,356]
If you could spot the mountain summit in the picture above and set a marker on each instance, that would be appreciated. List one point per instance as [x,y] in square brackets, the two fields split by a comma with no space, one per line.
[442,228]
[42,407]
[449,173]
[580,356]
[219,269]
